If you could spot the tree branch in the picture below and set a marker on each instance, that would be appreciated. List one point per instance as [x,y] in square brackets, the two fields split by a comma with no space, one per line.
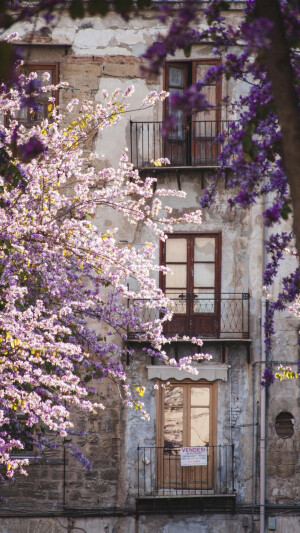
[278,62]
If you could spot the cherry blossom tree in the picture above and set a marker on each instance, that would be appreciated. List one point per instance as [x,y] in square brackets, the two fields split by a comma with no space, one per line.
[62,271]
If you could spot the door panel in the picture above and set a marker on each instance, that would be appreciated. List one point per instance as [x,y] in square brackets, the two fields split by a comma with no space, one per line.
[176,278]
[192,142]
[173,429]
[176,248]
[206,124]
[175,144]
[175,256]
[204,301]
[204,275]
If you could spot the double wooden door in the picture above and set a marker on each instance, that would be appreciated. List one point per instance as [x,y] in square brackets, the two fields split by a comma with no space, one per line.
[194,284]
[186,418]
[192,140]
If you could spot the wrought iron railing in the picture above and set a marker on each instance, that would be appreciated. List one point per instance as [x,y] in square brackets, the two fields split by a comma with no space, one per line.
[209,316]
[160,472]
[191,143]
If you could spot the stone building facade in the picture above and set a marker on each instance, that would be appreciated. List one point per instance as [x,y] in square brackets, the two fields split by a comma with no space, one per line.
[137,482]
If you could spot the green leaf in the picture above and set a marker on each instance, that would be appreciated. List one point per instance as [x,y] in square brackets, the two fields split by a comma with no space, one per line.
[254,151]
[286,209]
[187,50]
[247,143]
[263,112]
[224,6]
[7,21]
[100,7]
[142,4]
[7,60]
[76,9]
[250,129]
[247,157]
[261,56]
[123,6]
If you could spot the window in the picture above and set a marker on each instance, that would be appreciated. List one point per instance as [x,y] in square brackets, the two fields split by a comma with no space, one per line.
[19,430]
[195,285]
[26,116]
[186,418]
[193,140]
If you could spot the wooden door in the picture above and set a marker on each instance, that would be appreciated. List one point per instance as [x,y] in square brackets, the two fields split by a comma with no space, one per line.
[176,143]
[195,284]
[186,417]
[206,124]
[193,139]
[206,285]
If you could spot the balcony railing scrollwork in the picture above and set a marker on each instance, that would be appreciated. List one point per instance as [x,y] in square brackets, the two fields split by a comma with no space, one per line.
[206,315]
[160,472]
[190,143]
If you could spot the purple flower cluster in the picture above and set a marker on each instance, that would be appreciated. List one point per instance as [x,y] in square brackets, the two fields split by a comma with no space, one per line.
[190,101]
[275,247]
[268,378]
[31,149]
[272,215]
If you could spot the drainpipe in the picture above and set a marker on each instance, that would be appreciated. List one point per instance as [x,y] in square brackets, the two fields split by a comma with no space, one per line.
[262,440]
[230,406]
[254,434]
[262,484]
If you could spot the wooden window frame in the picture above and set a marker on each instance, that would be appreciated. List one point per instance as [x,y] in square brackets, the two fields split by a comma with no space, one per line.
[193,63]
[190,260]
[43,67]
[186,384]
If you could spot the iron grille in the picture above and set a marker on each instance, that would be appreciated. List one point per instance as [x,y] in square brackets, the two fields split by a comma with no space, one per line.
[230,311]
[160,472]
[191,143]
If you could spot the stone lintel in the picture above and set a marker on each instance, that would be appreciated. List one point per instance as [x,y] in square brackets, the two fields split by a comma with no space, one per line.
[208,372]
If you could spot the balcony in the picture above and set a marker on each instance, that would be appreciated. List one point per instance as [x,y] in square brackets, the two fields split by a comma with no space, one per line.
[192,143]
[207,316]
[166,486]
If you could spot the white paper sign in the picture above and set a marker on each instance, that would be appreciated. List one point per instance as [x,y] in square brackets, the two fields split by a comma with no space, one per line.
[195,456]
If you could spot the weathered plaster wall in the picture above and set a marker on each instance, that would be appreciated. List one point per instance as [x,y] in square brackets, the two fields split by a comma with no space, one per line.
[102,53]
[283,463]
[148,524]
